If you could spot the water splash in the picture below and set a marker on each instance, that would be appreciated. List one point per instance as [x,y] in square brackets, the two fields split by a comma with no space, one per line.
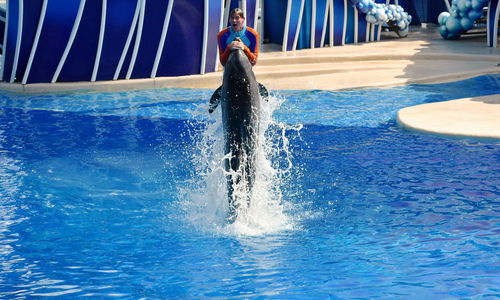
[204,196]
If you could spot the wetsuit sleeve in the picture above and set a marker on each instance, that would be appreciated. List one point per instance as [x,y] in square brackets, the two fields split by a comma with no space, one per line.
[252,50]
[224,51]
[252,57]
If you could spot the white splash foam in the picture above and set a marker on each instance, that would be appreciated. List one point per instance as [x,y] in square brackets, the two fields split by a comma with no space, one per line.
[204,198]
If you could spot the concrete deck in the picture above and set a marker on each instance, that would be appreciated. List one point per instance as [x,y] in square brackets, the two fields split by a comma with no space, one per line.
[468,117]
[422,57]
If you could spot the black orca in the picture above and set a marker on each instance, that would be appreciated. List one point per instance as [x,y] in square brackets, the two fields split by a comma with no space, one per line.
[239,98]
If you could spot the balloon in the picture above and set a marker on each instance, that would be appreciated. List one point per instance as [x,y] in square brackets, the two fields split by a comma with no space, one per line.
[461,5]
[466,23]
[443,17]
[453,25]
[474,14]
[476,4]
[378,13]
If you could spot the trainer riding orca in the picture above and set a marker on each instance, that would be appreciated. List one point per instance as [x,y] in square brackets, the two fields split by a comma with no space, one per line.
[239,98]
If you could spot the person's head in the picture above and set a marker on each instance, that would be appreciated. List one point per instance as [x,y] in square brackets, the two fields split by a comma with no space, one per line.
[237,19]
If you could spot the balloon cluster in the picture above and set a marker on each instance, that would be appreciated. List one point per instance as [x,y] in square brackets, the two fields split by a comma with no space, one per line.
[377,13]
[462,17]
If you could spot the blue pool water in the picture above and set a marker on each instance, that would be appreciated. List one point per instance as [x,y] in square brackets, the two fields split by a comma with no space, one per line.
[117,195]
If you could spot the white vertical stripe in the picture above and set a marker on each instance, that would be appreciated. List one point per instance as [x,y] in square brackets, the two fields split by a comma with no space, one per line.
[137,39]
[488,17]
[256,15]
[243,5]
[355,25]
[313,23]
[226,13]
[2,69]
[287,25]
[332,20]
[344,30]
[325,21]
[35,42]
[18,41]
[367,34]
[379,32]
[372,32]
[205,37]
[70,41]
[495,26]
[164,31]
[101,40]
[221,25]
[447,5]
[222,13]
[297,32]
[129,39]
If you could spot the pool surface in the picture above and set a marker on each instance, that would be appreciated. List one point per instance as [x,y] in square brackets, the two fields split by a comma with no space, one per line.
[120,195]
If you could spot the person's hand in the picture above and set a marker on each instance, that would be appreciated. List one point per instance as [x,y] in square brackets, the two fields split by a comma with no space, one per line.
[235,45]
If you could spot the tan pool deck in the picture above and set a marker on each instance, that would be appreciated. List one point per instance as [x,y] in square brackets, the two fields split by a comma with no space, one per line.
[422,57]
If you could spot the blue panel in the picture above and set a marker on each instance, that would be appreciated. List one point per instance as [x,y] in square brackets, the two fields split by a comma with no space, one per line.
[321,6]
[250,12]
[294,21]
[119,16]
[376,32]
[349,36]
[182,51]
[435,8]
[234,4]
[492,33]
[274,25]
[304,40]
[11,39]
[153,25]
[55,33]
[31,15]
[362,27]
[81,58]
[338,21]
[425,11]
[409,7]
[214,15]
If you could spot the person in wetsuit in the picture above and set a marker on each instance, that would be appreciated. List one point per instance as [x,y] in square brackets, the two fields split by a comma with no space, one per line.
[237,36]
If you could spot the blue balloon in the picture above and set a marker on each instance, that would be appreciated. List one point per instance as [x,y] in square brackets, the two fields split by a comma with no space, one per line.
[443,17]
[462,17]
[453,25]
[474,14]
[462,6]
[377,13]
[466,23]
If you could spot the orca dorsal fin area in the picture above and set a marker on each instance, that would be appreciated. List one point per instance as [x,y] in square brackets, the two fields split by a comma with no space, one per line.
[263,92]
[214,100]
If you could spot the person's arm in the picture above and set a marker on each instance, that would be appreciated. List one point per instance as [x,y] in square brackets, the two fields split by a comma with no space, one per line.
[254,36]
[224,50]
[224,55]
[252,57]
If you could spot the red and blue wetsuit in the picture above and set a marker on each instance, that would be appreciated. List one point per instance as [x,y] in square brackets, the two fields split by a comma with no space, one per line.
[248,36]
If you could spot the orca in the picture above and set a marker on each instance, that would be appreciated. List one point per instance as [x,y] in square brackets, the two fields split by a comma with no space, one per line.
[240,101]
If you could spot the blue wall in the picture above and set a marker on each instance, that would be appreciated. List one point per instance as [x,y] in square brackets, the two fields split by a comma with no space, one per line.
[133,30]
